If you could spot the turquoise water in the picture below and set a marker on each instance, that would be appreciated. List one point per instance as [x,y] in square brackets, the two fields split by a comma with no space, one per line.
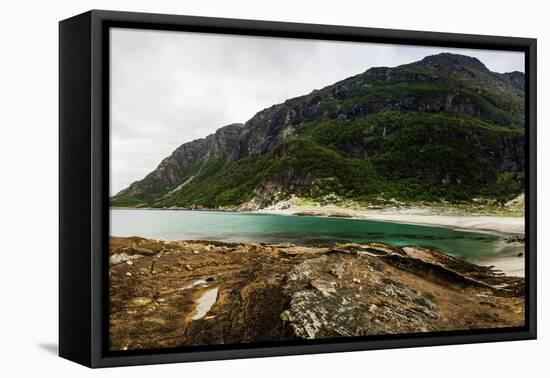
[267,228]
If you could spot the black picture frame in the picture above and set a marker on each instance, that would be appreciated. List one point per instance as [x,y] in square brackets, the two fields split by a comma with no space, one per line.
[84,175]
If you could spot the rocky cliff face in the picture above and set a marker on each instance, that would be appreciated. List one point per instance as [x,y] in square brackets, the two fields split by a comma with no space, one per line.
[172,170]
[452,102]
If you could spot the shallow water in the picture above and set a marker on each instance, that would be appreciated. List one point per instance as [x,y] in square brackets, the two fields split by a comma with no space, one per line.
[195,283]
[475,246]
[205,303]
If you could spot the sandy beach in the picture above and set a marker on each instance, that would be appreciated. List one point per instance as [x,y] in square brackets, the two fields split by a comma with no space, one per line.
[500,224]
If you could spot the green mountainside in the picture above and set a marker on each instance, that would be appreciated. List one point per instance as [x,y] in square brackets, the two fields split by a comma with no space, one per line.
[443,128]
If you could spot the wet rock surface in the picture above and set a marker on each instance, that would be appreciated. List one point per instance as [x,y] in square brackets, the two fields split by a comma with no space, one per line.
[202,293]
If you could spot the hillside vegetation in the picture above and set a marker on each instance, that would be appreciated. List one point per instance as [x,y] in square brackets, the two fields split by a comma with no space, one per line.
[444,128]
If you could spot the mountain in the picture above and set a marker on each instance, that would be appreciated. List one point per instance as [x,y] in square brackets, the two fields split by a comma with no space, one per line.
[442,128]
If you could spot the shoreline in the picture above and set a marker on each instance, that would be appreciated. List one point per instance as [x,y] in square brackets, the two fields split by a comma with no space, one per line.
[500,224]
[505,226]
[509,225]
[511,265]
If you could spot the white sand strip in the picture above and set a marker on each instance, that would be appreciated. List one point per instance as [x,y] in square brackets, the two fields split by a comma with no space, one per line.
[512,225]
[509,225]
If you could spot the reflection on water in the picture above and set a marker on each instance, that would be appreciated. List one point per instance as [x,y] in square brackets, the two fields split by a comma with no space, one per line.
[267,228]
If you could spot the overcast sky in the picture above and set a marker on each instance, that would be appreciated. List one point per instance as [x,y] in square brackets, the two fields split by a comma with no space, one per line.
[168,88]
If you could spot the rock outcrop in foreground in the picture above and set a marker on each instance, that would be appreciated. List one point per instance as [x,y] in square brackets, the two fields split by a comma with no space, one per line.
[172,294]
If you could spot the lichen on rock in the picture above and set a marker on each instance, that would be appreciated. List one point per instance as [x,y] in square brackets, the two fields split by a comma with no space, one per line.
[289,292]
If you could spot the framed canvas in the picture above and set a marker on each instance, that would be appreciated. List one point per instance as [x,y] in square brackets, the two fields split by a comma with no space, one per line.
[235,188]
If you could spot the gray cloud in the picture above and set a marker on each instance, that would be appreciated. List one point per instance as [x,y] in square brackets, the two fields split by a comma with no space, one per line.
[168,88]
